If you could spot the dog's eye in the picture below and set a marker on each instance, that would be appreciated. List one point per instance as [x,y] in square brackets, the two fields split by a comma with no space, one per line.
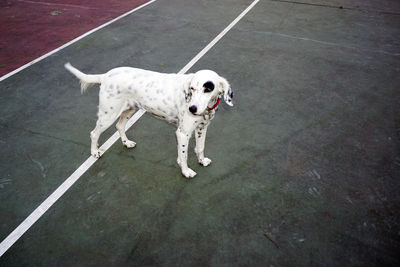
[208,87]
[192,88]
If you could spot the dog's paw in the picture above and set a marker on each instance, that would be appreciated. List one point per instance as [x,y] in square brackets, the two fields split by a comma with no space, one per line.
[129,143]
[189,173]
[97,154]
[205,161]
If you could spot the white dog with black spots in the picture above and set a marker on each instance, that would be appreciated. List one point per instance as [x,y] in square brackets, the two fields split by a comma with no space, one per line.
[187,100]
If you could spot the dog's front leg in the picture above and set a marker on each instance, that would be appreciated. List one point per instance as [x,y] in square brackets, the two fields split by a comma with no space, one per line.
[183,137]
[200,136]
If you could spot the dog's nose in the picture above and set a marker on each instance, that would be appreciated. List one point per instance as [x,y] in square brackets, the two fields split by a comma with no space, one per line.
[193,109]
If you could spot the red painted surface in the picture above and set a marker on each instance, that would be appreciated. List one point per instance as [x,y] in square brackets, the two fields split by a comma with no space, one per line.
[32,28]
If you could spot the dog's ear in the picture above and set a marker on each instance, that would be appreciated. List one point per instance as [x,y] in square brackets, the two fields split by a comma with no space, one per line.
[225,89]
[186,87]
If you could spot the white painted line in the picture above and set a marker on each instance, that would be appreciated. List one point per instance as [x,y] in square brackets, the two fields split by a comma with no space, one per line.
[71,42]
[39,211]
[216,39]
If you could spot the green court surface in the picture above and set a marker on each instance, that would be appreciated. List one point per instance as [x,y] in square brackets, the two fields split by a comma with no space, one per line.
[305,168]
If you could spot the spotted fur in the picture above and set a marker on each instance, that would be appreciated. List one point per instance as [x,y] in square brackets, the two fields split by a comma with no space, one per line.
[181,99]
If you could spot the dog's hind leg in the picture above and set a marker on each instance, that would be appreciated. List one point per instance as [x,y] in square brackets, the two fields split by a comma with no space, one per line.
[123,119]
[101,125]
[108,113]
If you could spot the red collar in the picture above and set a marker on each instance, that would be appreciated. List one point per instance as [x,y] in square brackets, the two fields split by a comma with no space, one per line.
[215,105]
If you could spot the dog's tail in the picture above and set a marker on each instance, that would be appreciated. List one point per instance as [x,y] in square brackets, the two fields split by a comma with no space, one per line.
[85,79]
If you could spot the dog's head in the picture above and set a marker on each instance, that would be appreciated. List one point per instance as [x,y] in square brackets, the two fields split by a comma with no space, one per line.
[204,89]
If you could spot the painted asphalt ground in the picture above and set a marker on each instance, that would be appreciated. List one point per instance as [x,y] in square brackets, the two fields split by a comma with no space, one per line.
[304,168]
[31,28]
